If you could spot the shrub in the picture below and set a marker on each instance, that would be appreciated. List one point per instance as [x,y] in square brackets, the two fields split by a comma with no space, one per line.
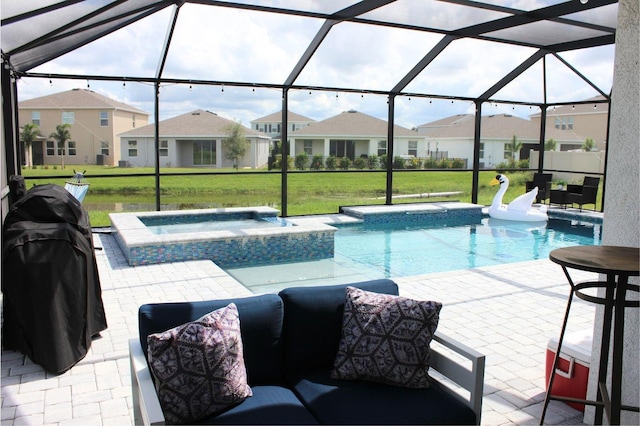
[345,163]
[383,161]
[523,164]
[373,162]
[444,164]
[457,163]
[430,163]
[501,167]
[398,162]
[316,162]
[277,164]
[360,163]
[330,163]
[413,163]
[301,160]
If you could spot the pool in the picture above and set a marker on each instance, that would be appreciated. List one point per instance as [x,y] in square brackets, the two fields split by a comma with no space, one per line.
[370,251]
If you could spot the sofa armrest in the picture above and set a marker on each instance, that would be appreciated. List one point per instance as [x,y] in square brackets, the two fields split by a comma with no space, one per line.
[146,406]
[471,379]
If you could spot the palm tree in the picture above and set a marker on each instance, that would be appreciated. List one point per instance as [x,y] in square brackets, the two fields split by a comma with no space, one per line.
[512,148]
[30,133]
[589,145]
[61,135]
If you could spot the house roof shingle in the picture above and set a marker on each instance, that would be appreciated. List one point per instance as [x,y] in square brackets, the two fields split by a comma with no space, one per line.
[76,99]
[198,123]
[353,123]
[578,109]
[498,126]
[277,117]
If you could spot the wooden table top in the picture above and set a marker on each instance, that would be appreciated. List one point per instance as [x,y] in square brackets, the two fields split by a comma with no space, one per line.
[600,259]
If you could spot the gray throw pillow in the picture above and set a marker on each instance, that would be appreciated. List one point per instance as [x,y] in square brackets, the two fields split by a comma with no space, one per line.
[386,339]
[199,366]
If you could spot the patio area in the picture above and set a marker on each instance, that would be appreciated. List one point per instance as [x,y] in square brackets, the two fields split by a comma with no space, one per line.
[508,312]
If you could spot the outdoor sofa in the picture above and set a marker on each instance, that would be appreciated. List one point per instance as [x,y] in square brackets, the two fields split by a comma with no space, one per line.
[290,343]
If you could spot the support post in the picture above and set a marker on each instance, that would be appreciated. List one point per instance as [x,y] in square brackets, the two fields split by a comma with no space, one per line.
[389,189]
[285,151]
[476,152]
[156,88]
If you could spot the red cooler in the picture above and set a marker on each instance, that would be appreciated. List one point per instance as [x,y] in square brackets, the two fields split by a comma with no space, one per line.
[572,374]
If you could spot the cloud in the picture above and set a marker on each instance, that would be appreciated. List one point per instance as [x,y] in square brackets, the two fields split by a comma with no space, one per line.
[224,44]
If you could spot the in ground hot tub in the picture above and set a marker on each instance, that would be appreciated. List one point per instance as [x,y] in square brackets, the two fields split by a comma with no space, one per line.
[230,237]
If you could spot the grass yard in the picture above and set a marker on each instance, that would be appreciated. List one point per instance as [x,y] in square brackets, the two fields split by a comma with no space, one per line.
[308,192]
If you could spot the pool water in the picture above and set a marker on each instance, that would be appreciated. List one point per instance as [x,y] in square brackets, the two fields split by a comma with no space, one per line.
[368,252]
[215,225]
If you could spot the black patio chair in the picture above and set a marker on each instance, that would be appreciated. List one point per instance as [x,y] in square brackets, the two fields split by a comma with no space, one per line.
[543,182]
[585,193]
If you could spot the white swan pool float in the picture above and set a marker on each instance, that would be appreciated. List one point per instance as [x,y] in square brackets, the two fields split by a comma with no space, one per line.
[519,209]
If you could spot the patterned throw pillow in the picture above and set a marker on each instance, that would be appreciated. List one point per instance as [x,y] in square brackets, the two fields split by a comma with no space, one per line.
[386,339]
[199,366]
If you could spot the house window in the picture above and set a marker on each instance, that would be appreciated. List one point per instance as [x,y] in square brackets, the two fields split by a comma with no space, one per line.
[133,148]
[164,148]
[204,153]
[104,147]
[35,117]
[133,121]
[564,123]
[72,148]
[481,153]
[342,148]
[61,148]
[104,118]
[68,117]
[507,151]
[308,147]
[382,148]
[51,148]
[413,148]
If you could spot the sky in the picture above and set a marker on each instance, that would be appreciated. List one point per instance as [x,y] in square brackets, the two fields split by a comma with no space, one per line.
[222,44]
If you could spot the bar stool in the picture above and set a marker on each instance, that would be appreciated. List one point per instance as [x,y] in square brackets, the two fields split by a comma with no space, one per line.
[618,264]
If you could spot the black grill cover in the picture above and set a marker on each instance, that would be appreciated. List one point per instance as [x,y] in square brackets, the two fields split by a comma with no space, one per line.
[52,300]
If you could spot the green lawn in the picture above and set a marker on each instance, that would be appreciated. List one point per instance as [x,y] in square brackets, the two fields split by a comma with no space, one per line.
[308,192]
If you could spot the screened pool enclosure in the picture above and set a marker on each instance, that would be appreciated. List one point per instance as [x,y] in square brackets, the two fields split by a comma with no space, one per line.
[406,62]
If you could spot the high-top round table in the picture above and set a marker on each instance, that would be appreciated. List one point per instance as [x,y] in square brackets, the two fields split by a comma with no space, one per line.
[618,264]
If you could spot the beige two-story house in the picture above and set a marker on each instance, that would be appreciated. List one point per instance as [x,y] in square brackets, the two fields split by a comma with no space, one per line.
[272,124]
[588,120]
[94,121]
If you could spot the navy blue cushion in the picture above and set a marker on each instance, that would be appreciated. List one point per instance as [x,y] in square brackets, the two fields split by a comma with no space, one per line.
[260,325]
[313,323]
[269,405]
[357,402]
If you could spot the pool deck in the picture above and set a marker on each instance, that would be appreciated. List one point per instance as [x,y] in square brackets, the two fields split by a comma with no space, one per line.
[508,312]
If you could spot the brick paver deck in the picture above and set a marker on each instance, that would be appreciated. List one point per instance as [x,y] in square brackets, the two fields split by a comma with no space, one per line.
[507,312]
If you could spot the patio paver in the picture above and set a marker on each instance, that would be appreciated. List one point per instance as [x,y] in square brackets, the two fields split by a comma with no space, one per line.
[507,312]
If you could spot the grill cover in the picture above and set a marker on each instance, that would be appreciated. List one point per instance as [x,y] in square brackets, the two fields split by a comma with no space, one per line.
[52,300]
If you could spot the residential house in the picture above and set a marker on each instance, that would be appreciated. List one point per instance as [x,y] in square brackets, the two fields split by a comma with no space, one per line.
[587,120]
[453,137]
[354,134]
[193,139]
[272,124]
[95,121]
